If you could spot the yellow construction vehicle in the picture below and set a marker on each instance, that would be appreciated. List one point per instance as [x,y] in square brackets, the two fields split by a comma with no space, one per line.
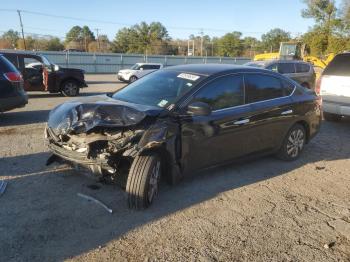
[295,51]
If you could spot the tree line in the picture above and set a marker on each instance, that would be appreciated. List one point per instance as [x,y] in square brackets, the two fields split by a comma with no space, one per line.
[330,33]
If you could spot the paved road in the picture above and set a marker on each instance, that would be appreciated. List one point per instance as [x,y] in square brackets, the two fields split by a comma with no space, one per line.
[260,210]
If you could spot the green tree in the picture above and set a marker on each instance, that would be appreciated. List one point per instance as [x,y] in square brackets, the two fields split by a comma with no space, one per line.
[316,41]
[79,36]
[250,46]
[11,37]
[142,38]
[54,44]
[230,45]
[270,42]
[324,12]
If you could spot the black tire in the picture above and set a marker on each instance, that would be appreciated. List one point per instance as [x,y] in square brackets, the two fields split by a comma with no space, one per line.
[70,88]
[143,181]
[293,144]
[331,117]
[133,79]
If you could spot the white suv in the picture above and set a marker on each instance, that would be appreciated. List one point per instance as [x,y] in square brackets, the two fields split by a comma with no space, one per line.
[137,71]
[334,87]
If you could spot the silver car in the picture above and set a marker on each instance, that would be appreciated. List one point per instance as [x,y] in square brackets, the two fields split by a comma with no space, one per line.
[301,72]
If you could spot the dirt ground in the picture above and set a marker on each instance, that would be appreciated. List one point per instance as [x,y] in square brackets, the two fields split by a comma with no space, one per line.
[261,210]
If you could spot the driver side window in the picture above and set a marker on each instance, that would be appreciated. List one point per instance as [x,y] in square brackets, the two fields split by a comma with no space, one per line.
[223,92]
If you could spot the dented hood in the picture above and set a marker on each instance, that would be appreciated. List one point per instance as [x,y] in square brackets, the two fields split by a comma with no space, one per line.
[84,114]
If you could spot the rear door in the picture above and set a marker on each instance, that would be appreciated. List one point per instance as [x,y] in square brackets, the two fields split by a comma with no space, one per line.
[335,84]
[305,75]
[272,109]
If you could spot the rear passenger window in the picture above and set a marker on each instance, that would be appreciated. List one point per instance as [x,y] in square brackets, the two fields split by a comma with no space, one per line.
[288,87]
[273,67]
[340,66]
[262,87]
[224,92]
[286,68]
[302,68]
[13,59]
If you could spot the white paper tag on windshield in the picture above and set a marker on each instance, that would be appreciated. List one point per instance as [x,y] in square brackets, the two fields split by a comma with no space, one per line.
[162,103]
[188,76]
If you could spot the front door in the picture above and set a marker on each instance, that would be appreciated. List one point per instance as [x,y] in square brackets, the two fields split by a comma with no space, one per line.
[221,136]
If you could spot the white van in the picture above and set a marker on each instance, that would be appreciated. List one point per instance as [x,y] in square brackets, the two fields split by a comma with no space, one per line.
[137,71]
[334,87]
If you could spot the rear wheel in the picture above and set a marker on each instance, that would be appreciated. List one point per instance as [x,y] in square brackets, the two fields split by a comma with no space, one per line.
[133,79]
[143,181]
[331,117]
[293,143]
[70,88]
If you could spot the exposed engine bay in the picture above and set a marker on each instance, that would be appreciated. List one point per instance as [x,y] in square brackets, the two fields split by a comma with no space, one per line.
[103,134]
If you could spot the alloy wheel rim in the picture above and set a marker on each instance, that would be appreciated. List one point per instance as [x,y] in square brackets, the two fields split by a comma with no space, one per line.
[295,143]
[154,182]
[70,88]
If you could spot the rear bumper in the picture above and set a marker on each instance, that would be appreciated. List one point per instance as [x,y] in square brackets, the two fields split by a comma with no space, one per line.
[336,108]
[10,103]
[84,84]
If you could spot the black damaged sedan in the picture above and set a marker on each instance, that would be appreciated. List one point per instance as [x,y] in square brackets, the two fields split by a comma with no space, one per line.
[180,120]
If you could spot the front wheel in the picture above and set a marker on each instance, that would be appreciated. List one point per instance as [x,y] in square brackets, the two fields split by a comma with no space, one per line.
[70,88]
[143,181]
[293,143]
[133,79]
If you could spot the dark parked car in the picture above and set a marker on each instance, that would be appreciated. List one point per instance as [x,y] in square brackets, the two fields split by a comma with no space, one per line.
[182,119]
[301,72]
[12,94]
[47,77]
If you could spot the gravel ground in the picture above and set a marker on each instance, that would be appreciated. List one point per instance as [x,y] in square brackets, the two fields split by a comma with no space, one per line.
[261,210]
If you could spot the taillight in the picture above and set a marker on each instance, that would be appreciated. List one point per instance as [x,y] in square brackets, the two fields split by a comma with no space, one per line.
[13,76]
[318,86]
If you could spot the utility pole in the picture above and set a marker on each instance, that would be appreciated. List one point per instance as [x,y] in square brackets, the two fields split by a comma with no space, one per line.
[98,39]
[201,33]
[20,22]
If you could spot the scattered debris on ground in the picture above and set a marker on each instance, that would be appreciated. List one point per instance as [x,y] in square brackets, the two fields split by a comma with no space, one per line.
[90,198]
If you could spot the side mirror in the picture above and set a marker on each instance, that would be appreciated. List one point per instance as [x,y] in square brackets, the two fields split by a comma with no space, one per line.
[199,109]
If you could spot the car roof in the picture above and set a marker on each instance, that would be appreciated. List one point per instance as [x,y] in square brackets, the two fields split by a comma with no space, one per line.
[149,63]
[272,61]
[19,52]
[212,69]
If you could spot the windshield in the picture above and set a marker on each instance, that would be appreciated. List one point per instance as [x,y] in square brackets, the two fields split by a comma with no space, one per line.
[160,88]
[135,67]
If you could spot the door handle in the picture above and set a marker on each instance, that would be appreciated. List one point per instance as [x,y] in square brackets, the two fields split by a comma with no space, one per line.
[290,111]
[242,122]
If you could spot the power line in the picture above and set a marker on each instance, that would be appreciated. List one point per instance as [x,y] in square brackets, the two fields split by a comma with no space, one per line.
[128,24]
